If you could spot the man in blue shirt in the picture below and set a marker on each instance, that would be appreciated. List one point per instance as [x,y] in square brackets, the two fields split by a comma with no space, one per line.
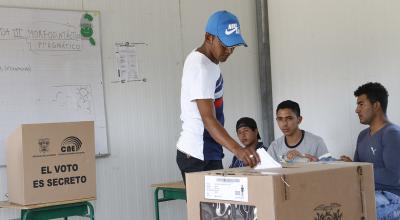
[379,144]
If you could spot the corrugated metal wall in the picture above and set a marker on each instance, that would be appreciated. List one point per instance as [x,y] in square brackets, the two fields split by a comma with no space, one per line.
[143,117]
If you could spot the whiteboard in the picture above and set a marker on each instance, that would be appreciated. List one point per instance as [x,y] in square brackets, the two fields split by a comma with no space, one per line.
[50,71]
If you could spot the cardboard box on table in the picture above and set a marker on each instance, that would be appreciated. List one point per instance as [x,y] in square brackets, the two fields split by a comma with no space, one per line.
[312,191]
[51,162]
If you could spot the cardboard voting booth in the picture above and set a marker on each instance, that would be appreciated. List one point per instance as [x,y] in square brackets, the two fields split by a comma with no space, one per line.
[342,191]
[51,162]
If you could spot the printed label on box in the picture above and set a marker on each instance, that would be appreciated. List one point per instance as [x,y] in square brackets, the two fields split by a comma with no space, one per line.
[226,188]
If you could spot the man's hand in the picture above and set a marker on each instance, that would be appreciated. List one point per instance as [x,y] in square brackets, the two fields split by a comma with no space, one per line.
[345,158]
[221,136]
[248,155]
[293,154]
[311,158]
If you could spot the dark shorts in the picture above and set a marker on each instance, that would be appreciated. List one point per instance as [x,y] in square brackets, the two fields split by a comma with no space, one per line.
[188,164]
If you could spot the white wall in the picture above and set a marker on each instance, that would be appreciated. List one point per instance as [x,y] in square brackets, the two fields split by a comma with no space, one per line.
[321,51]
[143,118]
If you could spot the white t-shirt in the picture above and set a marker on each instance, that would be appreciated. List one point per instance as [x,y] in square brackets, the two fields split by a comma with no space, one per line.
[201,79]
[309,144]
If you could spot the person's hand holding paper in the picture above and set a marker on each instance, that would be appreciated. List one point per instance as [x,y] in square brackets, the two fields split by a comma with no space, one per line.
[266,161]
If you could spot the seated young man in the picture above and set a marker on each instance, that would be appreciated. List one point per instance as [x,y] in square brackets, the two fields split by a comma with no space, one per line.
[379,144]
[295,145]
[247,132]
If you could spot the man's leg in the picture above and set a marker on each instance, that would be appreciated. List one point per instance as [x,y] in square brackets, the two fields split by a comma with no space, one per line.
[387,205]
[188,164]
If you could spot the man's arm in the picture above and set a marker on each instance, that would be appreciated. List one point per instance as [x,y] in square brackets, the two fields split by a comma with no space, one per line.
[322,149]
[390,173]
[272,151]
[348,159]
[221,136]
[356,157]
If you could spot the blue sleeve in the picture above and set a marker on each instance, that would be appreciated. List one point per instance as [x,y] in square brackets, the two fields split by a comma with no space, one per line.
[356,158]
[389,174]
[234,159]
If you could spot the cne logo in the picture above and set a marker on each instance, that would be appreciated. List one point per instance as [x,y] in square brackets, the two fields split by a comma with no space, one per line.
[44,145]
[232,28]
[71,144]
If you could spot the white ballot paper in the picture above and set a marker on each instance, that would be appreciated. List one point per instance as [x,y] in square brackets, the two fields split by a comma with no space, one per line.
[266,160]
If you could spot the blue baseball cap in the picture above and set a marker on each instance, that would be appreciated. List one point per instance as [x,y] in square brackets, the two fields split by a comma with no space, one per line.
[226,27]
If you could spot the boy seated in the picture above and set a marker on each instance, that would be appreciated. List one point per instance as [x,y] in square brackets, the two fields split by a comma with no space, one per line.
[295,145]
[247,132]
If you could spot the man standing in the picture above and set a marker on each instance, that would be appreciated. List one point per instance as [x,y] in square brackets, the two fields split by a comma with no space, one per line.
[199,145]
[379,144]
[295,145]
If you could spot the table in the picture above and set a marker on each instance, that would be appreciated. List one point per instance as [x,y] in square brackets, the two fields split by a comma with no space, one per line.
[54,210]
[169,191]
